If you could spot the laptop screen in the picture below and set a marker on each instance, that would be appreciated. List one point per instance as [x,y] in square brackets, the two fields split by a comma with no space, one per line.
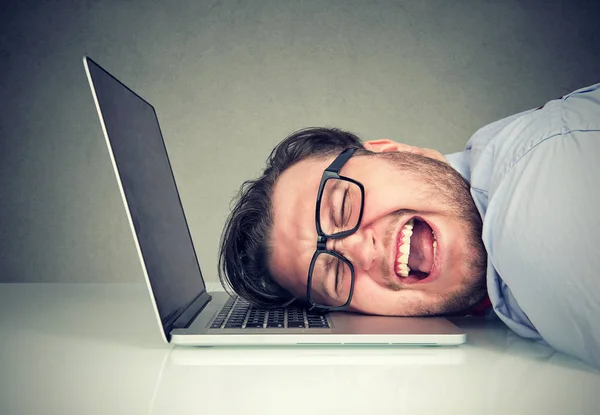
[151,194]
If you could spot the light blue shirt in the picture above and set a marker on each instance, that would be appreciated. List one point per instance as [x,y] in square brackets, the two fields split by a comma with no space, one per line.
[535,179]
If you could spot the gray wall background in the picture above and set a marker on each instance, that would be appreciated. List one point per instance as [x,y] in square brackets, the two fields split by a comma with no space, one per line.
[229,80]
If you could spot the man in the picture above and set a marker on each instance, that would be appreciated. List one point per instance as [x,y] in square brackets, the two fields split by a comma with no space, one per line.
[386,228]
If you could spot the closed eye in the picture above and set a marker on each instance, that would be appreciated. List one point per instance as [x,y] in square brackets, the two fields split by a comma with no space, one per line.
[344,208]
[347,209]
[332,291]
[339,278]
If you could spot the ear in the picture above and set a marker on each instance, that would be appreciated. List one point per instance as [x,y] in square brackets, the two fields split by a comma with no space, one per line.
[385,145]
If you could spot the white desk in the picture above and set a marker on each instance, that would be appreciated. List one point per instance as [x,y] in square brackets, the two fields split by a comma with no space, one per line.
[95,349]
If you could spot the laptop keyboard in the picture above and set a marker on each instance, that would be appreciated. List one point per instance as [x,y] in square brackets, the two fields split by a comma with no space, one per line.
[237,313]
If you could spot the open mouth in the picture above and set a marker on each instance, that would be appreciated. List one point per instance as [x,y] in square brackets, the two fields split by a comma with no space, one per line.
[416,251]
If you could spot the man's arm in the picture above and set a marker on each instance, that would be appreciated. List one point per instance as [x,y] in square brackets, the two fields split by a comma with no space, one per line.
[541,230]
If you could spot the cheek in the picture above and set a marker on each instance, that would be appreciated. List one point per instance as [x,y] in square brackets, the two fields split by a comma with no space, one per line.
[394,194]
[370,297]
[383,202]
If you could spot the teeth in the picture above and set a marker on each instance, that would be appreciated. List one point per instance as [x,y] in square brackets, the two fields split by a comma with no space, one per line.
[402,268]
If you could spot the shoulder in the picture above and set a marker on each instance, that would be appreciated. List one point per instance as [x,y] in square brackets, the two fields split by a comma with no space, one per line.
[496,148]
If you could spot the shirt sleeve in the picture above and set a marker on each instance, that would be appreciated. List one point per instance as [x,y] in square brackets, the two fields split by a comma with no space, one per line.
[460,162]
[541,230]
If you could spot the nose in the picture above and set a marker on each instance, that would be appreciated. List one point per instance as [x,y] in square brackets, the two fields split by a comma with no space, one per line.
[358,248]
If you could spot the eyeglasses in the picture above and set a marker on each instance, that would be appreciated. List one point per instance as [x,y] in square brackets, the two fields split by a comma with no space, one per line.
[339,210]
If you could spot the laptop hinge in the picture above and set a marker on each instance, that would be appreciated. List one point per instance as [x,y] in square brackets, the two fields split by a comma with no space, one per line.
[186,318]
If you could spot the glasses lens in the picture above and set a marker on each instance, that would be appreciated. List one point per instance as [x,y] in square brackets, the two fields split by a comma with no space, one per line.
[331,281]
[340,206]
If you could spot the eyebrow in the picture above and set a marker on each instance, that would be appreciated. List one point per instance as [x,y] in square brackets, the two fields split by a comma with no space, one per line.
[328,266]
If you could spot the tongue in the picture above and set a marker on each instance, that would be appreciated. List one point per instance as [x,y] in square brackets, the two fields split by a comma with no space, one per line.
[421,248]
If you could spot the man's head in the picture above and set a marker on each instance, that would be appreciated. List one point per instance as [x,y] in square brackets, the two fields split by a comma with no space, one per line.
[271,235]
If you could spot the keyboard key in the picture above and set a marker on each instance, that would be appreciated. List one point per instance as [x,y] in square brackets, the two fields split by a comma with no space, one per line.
[255,325]
[240,318]
[273,324]
[322,325]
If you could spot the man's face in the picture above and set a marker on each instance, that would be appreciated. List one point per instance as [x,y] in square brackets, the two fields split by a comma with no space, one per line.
[399,186]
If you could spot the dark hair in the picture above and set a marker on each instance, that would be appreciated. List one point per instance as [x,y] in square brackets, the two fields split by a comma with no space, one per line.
[245,242]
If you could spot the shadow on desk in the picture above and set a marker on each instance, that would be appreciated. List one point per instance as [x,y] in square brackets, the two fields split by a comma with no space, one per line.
[494,337]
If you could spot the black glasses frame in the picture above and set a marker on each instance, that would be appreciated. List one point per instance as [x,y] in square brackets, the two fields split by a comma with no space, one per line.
[332,172]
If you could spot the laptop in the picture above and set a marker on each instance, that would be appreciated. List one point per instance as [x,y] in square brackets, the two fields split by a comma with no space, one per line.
[186,313]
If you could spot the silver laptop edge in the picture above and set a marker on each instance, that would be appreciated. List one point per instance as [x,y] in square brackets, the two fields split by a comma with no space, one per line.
[123,198]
